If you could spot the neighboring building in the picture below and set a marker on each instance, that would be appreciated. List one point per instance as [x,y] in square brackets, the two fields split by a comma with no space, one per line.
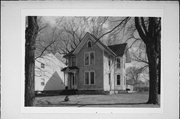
[48,74]
[96,67]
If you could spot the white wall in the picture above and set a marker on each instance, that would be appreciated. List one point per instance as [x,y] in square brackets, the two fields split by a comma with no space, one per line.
[106,71]
[120,72]
[51,74]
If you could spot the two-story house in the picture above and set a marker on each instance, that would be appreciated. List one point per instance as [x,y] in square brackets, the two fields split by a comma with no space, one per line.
[93,66]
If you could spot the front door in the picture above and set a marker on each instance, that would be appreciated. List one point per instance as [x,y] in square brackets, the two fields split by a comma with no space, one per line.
[72,81]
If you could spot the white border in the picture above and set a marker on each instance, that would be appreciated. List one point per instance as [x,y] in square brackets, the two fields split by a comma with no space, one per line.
[86,12]
[11,60]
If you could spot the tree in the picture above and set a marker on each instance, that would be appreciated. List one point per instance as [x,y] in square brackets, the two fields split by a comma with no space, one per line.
[30,36]
[149,30]
[133,74]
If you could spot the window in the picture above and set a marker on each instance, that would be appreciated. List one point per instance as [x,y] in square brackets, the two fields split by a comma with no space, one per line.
[86,77]
[118,80]
[89,78]
[73,61]
[109,61]
[92,77]
[118,62]
[42,82]
[89,44]
[42,65]
[73,80]
[91,57]
[86,59]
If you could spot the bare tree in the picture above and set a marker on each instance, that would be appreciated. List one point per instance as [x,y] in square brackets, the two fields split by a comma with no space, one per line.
[149,30]
[132,74]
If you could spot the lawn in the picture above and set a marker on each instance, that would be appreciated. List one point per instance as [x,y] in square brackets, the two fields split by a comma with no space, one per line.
[115,100]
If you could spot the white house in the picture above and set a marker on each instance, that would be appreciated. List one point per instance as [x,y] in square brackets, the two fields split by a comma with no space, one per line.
[48,74]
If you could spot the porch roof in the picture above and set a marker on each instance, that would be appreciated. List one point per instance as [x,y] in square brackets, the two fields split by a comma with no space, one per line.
[69,54]
[72,68]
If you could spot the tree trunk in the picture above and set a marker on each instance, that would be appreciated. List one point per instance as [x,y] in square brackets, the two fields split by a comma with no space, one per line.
[31,33]
[153,82]
[151,37]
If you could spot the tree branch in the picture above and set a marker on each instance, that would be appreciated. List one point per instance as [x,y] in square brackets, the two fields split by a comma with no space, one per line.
[143,25]
[139,28]
[45,49]
[126,19]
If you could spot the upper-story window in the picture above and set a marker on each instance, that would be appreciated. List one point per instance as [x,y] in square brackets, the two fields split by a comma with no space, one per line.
[118,65]
[89,58]
[109,61]
[89,44]
[42,65]
[86,58]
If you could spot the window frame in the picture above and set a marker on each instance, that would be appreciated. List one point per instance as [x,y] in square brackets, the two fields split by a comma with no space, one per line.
[85,58]
[89,58]
[42,65]
[89,77]
[93,63]
[90,44]
[85,77]
[118,84]
[109,78]
[42,81]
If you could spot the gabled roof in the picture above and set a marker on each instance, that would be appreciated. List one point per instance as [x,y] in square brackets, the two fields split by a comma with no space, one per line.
[107,48]
[118,49]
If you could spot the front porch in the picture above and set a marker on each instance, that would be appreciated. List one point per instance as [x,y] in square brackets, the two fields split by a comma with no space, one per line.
[72,77]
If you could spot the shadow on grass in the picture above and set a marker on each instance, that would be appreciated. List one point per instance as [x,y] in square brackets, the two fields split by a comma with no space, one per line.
[144,104]
[114,104]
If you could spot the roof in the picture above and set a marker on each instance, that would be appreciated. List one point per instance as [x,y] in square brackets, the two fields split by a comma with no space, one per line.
[118,49]
[69,68]
[107,48]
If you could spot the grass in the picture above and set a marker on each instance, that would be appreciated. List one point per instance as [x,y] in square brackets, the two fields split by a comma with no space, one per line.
[116,100]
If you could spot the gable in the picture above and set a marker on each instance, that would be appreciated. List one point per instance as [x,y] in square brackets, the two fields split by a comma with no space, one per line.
[88,37]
